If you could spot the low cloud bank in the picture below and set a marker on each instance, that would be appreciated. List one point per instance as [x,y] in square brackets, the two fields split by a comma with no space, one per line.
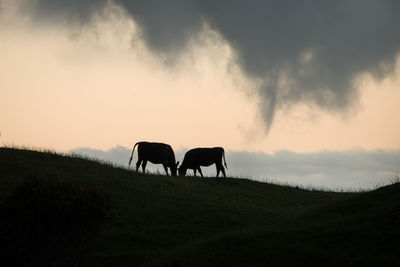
[345,170]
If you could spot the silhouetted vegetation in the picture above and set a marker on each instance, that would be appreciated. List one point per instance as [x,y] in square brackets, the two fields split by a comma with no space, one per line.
[185,221]
[48,222]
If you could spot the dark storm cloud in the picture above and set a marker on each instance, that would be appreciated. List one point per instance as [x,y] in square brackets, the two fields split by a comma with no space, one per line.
[299,51]
[328,169]
[73,11]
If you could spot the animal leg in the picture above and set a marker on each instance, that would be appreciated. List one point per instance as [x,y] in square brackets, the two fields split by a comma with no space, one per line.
[218,169]
[198,168]
[194,171]
[144,166]
[166,169]
[138,164]
[223,171]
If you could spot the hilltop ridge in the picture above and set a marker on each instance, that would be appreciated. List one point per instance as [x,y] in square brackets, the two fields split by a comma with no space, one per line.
[160,220]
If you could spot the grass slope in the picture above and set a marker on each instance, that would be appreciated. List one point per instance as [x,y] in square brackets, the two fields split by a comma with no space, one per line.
[360,231]
[159,220]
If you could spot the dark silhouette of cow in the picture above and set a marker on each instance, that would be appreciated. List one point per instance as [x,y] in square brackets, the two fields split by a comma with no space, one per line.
[197,157]
[157,153]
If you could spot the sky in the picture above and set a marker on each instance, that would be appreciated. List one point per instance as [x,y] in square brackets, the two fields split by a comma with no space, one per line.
[276,83]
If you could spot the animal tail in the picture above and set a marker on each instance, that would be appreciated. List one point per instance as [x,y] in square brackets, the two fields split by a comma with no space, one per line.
[133,150]
[223,155]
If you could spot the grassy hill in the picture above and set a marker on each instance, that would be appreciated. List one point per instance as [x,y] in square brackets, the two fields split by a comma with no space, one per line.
[187,221]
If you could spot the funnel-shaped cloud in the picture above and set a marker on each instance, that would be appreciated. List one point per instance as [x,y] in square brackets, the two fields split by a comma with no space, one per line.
[298,52]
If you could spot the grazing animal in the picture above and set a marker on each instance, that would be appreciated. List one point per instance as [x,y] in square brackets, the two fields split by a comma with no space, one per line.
[157,153]
[197,157]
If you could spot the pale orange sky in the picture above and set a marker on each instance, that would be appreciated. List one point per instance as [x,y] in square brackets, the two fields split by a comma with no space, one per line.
[100,86]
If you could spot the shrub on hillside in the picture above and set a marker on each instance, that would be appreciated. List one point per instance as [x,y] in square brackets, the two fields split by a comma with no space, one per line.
[48,222]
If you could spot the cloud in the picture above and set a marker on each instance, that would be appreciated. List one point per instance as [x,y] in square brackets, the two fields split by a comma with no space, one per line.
[118,155]
[72,12]
[335,170]
[327,169]
[306,52]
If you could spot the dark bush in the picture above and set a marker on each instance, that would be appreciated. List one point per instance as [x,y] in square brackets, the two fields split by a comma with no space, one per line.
[48,222]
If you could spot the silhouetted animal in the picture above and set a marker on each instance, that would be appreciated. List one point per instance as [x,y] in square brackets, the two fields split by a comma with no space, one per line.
[197,157]
[157,153]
